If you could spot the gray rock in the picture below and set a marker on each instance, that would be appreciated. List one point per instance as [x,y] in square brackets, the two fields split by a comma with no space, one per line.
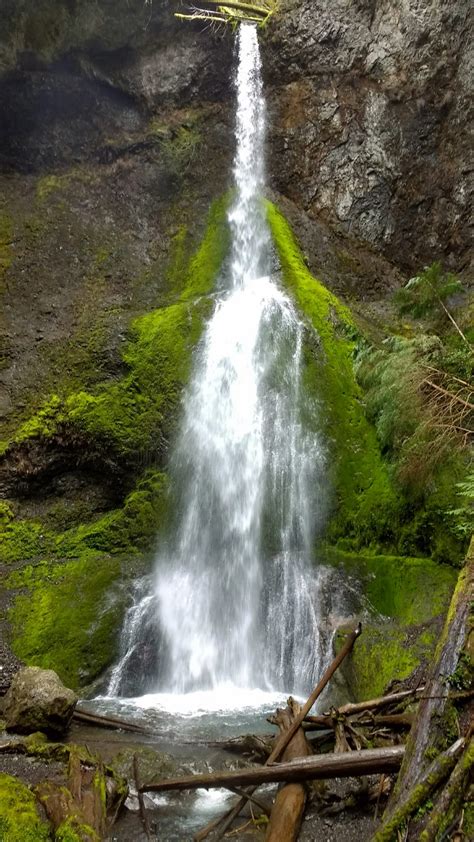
[37,700]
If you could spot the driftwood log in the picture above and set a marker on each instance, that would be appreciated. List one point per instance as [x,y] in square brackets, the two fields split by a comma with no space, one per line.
[102,721]
[365,762]
[288,809]
[225,821]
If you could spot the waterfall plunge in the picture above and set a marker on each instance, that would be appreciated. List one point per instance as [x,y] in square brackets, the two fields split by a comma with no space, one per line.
[236,599]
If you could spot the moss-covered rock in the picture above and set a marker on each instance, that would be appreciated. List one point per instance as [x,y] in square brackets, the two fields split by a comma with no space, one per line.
[365,505]
[19,819]
[69,616]
[400,601]
[409,590]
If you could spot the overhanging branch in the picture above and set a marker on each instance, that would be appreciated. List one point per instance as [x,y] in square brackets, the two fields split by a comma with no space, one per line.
[231,11]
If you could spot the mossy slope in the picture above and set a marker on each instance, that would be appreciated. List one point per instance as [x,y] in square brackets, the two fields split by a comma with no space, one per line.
[69,616]
[365,504]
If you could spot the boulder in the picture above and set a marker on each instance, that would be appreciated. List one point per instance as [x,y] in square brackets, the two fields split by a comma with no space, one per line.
[37,700]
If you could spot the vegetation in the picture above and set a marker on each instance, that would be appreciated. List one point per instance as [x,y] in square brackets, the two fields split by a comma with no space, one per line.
[131,420]
[427,293]
[19,817]
[420,398]
[364,509]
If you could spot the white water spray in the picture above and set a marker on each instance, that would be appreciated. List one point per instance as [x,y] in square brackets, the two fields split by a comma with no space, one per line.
[236,597]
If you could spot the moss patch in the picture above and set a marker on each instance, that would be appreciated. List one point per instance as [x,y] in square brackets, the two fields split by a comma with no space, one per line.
[134,415]
[19,818]
[68,620]
[382,655]
[409,590]
[403,597]
[365,505]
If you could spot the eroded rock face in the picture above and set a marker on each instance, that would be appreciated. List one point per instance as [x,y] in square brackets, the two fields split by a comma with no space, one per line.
[38,701]
[369,122]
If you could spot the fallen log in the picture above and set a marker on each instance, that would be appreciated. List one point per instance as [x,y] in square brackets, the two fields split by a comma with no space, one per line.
[102,721]
[315,767]
[428,724]
[226,820]
[436,773]
[352,708]
[394,720]
[288,808]
[450,799]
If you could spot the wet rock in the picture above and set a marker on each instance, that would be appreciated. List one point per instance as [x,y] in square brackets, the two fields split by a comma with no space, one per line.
[369,111]
[38,701]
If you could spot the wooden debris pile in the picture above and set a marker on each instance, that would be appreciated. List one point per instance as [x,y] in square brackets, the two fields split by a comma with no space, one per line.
[427,801]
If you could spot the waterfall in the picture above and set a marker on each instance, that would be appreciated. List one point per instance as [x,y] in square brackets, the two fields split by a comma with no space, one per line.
[236,599]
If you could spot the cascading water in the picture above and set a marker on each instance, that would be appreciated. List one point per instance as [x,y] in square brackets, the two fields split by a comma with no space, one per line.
[236,600]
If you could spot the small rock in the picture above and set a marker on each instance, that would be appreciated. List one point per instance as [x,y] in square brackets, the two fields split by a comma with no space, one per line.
[37,700]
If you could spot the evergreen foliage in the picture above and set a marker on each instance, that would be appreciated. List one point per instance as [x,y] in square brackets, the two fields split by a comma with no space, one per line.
[424,293]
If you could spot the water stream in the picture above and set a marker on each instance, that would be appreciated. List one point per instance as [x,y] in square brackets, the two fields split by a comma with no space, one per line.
[235,604]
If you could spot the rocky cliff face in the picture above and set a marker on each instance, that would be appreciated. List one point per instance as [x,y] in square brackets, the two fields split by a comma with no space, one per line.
[370,109]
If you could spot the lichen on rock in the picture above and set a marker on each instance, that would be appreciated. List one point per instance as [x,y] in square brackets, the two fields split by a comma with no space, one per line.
[37,700]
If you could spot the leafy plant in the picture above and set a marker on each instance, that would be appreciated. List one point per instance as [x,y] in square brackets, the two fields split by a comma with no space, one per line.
[427,292]
[423,412]
[463,515]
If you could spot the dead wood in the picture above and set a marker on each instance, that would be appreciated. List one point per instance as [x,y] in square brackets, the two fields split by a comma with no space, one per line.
[354,763]
[394,720]
[249,797]
[427,726]
[450,798]
[226,820]
[249,745]
[83,716]
[436,773]
[288,809]
[89,803]
[141,803]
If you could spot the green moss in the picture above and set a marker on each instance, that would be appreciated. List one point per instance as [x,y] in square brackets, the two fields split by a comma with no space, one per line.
[404,596]
[19,819]
[409,590]
[72,830]
[382,655]
[44,423]
[49,184]
[365,505]
[69,618]
[22,540]
[134,416]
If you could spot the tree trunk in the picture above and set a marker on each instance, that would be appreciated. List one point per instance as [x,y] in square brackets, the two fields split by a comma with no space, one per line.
[451,797]
[288,809]
[416,797]
[354,763]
